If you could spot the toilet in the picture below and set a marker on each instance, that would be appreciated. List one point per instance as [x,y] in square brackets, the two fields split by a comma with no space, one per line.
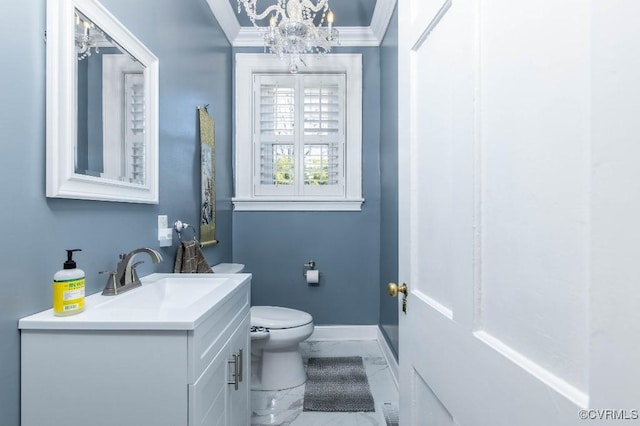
[275,355]
[276,333]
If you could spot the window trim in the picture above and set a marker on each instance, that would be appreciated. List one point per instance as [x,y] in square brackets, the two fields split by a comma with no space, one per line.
[248,64]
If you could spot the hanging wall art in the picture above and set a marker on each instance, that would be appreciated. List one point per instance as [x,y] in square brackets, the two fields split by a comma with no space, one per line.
[208,180]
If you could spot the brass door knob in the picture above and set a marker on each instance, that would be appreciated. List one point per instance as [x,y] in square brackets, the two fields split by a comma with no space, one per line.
[393,289]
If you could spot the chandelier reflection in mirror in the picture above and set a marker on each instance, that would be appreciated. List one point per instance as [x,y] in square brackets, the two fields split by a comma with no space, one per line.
[87,36]
[296,28]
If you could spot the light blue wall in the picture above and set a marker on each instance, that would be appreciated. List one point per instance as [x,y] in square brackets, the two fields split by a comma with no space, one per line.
[345,245]
[195,69]
[389,180]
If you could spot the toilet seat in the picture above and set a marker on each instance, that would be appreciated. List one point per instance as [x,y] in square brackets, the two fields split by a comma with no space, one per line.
[257,333]
[276,317]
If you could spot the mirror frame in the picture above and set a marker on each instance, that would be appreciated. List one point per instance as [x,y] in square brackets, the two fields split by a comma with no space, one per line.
[61,107]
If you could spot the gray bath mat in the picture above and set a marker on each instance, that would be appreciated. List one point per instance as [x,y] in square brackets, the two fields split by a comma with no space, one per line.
[337,384]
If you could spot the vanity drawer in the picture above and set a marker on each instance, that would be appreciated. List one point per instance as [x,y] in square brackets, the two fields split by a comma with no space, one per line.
[206,341]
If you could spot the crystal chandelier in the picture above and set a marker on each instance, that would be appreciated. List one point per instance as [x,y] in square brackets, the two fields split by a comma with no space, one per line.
[87,36]
[295,28]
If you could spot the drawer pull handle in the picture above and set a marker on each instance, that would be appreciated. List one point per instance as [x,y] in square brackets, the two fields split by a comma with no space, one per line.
[236,374]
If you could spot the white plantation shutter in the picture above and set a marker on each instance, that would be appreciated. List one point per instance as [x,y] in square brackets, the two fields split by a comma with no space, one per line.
[274,135]
[322,164]
[323,135]
[134,154]
[277,103]
[299,134]
[277,164]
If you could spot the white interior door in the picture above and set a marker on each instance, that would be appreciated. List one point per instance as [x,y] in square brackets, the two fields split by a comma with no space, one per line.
[519,204]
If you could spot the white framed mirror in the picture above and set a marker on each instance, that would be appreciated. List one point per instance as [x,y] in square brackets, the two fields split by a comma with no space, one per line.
[102,107]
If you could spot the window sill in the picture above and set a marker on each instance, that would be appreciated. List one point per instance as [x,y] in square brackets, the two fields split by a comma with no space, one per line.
[315,204]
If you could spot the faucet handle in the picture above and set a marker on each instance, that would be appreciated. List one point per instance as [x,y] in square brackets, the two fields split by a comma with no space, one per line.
[111,287]
[134,273]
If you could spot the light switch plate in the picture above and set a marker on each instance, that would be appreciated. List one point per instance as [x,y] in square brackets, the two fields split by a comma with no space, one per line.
[165,234]
[163,221]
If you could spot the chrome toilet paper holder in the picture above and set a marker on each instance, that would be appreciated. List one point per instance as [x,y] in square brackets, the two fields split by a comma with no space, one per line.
[310,273]
[309,266]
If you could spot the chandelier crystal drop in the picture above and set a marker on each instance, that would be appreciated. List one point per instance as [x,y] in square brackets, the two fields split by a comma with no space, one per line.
[295,28]
[87,36]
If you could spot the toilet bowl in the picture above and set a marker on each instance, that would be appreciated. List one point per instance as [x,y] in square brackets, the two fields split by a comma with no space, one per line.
[276,333]
[276,362]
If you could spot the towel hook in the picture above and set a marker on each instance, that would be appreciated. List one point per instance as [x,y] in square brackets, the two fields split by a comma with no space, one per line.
[180,226]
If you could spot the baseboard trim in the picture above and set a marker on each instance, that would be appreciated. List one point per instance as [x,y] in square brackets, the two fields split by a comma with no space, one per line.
[389,357]
[344,332]
[358,332]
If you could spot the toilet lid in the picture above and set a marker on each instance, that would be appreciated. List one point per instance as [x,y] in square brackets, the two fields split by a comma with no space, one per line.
[277,317]
[227,268]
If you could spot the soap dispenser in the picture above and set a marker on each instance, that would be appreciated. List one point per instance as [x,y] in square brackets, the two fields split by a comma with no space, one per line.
[68,288]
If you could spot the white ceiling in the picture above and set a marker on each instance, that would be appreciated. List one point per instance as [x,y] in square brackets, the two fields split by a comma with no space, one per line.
[370,35]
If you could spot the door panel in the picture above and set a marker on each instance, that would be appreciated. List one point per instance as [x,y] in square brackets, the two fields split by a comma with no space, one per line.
[494,220]
[435,165]
[534,115]
[433,410]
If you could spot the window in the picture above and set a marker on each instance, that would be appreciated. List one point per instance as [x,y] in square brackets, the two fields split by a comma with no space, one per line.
[298,134]
[302,147]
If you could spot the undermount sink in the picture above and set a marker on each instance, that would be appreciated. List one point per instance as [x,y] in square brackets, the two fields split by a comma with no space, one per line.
[164,301]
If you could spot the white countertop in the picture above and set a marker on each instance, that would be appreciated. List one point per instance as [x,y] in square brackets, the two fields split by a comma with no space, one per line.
[177,302]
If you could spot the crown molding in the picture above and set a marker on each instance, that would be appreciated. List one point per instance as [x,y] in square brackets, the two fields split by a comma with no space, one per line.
[357,36]
[381,17]
[226,17]
[248,37]
[349,37]
[370,36]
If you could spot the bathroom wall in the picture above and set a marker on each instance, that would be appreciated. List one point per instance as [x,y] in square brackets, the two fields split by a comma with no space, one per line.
[345,245]
[389,180]
[195,69]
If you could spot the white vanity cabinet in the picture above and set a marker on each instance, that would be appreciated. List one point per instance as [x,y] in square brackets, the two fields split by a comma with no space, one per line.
[88,372]
[212,404]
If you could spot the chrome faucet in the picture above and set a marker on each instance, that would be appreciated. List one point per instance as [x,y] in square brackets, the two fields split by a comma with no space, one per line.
[125,277]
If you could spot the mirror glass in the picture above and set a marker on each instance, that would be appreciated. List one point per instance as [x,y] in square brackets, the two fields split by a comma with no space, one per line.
[102,107]
[110,87]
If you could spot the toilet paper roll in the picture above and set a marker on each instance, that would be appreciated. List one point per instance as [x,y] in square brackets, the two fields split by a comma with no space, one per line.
[313,276]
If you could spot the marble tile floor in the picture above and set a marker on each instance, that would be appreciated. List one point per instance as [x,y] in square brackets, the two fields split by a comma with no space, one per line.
[284,408]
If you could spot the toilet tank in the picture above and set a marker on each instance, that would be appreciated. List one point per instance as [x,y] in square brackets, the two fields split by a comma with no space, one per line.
[228,268]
